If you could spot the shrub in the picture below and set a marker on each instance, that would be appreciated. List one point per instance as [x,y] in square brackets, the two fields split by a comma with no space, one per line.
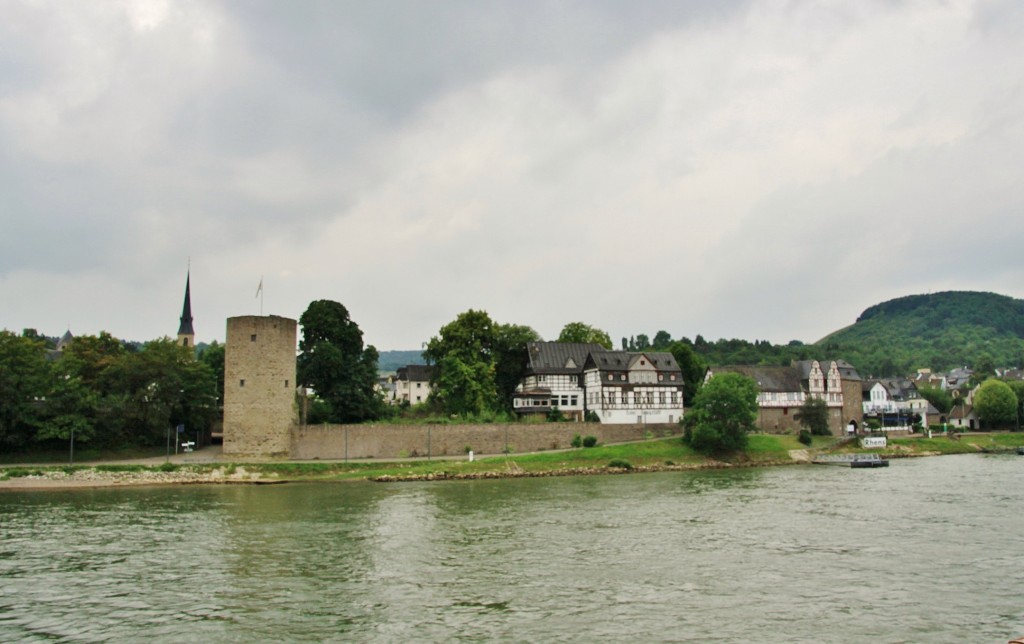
[805,437]
[577,441]
[620,464]
[590,441]
[167,467]
[591,417]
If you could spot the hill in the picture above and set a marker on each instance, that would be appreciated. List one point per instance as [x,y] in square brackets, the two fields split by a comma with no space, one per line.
[390,361]
[940,331]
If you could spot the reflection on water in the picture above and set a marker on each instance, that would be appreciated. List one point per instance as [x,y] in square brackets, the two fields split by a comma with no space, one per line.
[926,550]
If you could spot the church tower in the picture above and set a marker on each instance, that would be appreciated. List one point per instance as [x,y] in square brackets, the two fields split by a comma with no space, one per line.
[187,336]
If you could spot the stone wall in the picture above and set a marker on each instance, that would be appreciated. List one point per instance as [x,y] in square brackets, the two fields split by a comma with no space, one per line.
[259,385]
[778,420]
[332,442]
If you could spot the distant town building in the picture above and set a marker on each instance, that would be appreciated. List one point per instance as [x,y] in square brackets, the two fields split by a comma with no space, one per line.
[783,391]
[412,384]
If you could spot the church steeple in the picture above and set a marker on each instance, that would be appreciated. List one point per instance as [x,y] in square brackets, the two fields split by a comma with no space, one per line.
[186,335]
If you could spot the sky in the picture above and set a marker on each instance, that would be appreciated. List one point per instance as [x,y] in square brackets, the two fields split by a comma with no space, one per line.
[755,170]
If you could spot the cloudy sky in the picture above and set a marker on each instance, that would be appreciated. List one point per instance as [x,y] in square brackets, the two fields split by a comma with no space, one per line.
[761,170]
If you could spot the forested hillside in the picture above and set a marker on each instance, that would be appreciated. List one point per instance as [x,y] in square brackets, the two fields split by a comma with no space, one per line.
[940,330]
[390,361]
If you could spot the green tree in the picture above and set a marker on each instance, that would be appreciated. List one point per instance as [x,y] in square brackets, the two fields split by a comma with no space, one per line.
[213,357]
[724,410]
[938,397]
[156,388]
[584,333]
[642,342]
[510,359]
[995,403]
[813,415]
[1017,386]
[24,382]
[335,364]
[662,340]
[464,353]
[693,367]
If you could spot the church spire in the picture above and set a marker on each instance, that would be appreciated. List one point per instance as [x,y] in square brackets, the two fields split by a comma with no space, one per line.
[186,335]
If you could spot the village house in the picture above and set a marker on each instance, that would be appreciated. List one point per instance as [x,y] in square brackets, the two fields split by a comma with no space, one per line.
[553,379]
[783,391]
[897,402]
[618,387]
[412,384]
[634,387]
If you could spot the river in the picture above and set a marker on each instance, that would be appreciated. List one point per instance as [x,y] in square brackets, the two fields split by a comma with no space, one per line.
[927,550]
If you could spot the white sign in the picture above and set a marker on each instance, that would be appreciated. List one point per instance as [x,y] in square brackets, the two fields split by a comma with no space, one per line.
[873,441]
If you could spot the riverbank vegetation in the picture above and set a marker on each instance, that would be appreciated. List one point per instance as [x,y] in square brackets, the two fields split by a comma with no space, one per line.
[646,456]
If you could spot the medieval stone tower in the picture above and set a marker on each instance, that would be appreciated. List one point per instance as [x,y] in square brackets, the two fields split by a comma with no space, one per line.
[259,385]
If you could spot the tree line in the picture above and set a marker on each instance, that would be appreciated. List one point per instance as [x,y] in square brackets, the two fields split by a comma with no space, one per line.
[108,393]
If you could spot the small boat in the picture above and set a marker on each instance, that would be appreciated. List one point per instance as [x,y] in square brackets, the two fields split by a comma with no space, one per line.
[869,460]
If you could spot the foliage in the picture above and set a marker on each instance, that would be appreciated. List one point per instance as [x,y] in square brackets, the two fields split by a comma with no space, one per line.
[813,415]
[591,417]
[584,333]
[940,331]
[1017,386]
[995,403]
[336,365]
[620,464]
[589,441]
[805,437]
[555,415]
[577,441]
[938,397]
[479,363]
[724,410]
[24,380]
[693,367]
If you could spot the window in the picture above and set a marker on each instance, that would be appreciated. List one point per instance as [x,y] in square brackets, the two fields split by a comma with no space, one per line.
[285,384]
[622,376]
[574,401]
[542,378]
[672,377]
[418,385]
[241,383]
[252,338]
[661,377]
[611,377]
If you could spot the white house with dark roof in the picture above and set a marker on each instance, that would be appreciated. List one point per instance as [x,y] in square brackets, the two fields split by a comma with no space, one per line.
[633,387]
[412,384]
[618,386]
[553,379]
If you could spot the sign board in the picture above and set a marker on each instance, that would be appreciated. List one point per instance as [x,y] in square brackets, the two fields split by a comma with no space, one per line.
[873,441]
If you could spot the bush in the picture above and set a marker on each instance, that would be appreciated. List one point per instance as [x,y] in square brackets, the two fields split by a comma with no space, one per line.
[577,441]
[805,437]
[590,441]
[620,464]
[167,467]
[591,417]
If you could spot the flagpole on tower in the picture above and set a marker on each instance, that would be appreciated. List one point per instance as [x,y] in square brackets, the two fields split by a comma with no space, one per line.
[259,294]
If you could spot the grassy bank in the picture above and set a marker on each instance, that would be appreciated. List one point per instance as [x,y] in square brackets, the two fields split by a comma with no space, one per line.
[663,454]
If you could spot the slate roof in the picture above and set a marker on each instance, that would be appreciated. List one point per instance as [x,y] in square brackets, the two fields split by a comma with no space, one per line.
[606,360]
[846,370]
[415,373]
[555,358]
[768,379]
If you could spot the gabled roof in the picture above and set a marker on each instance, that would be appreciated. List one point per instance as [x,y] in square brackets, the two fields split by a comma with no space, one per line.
[552,358]
[898,389]
[768,379]
[415,373]
[846,370]
[606,360]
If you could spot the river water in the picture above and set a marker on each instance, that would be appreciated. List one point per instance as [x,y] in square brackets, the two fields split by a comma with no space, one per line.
[928,550]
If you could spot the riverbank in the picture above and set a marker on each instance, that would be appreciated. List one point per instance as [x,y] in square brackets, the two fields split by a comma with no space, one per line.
[647,456]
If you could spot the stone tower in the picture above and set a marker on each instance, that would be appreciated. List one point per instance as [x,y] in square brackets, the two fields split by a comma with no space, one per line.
[186,336]
[259,385]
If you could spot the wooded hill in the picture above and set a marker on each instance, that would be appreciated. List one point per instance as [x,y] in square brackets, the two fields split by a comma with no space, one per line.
[939,330]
